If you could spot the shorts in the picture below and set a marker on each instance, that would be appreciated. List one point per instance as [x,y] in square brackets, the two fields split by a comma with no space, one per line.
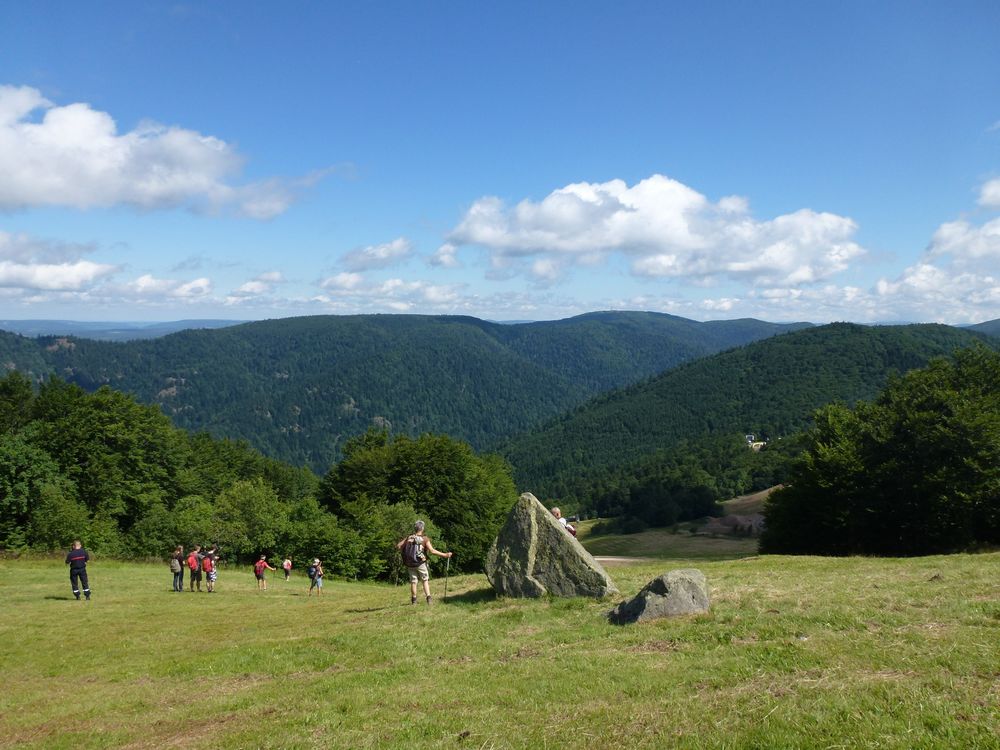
[420,573]
[195,575]
[317,583]
[260,576]
[212,575]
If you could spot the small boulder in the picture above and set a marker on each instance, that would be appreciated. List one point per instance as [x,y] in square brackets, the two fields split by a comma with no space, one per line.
[533,555]
[678,592]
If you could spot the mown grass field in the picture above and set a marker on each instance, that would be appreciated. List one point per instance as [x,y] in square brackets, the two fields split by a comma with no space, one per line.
[796,653]
[664,544]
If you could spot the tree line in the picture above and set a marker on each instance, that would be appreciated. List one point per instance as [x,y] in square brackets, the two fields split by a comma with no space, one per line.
[117,474]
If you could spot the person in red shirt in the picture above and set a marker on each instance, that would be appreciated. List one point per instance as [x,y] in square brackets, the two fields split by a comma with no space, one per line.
[260,569]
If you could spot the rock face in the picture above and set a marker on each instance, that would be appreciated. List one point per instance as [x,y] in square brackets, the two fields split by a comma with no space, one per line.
[533,555]
[678,592]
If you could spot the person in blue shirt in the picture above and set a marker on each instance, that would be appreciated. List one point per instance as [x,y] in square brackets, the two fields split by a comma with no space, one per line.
[77,561]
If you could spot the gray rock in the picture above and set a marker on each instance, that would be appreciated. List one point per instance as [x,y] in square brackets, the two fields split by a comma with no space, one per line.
[533,555]
[678,592]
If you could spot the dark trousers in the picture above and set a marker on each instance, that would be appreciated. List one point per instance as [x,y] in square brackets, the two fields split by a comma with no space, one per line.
[78,577]
[179,580]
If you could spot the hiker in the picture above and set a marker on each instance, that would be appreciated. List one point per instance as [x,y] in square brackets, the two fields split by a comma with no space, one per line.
[194,565]
[315,573]
[260,569]
[77,560]
[177,568]
[208,565]
[415,548]
[565,524]
[287,567]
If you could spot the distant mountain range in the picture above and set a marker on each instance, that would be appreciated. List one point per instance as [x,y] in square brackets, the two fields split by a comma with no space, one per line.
[296,388]
[105,331]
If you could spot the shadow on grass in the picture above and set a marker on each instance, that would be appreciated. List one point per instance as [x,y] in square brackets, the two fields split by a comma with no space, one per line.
[476,596]
[59,598]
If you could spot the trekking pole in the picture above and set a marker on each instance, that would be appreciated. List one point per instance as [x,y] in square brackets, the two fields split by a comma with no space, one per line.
[447,567]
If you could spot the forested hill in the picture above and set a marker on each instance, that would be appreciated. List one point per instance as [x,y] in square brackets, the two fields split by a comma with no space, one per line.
[991,327]
[296,388]
[768,388]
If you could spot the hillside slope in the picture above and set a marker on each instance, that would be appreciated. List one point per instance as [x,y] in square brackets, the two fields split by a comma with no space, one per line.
[296,388]
[769,388]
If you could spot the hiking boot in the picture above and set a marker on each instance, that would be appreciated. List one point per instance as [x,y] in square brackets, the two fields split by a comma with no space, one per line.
[413,600]
[428,600]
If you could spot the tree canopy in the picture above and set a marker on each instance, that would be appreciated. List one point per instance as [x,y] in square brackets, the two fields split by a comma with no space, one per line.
[916,471]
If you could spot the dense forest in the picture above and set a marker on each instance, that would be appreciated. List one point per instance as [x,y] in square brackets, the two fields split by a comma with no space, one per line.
[692,419]
[914,472]
[296,389]
[116,474]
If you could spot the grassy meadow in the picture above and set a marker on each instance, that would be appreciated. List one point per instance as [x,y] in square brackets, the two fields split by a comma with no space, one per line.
[797,652]
[664,544]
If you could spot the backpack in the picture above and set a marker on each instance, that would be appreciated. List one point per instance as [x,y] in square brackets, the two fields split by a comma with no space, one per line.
[206,563]
[413,551]
[175,565]
[259,566]
[193,561]
[311,572]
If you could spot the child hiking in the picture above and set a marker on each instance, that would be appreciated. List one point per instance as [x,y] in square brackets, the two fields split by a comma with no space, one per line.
[287,567]
[315,573]
[415,549]
[260,569]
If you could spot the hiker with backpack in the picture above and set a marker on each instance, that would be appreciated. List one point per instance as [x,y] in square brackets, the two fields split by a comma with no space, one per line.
[260,569]
[208,566]
[315,573]
[415,549]
[287,567]
[194,559]
[177,568]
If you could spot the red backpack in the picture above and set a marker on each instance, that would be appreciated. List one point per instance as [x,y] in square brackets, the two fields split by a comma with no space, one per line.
[193,561]
[206,563]
[259,566]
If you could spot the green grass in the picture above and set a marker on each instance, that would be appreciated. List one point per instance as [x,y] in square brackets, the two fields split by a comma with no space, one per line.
[664,544]
[796,653]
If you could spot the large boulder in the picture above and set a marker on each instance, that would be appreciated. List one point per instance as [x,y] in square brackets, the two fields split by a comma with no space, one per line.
[533,555]
[678,592]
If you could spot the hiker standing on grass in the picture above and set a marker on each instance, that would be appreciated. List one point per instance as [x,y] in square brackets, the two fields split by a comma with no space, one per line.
[260,569]
[415,548]
[315,573]
[287,567]
[194,565]
[177,568]
[208,565]
[77,560]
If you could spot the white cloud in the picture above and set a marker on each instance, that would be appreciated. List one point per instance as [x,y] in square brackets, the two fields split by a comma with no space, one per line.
[342,281]
[32,264]
[74,156]
[378,256]
[665,228]
[445,256]
[989,194]
[967,244]
[148,287]
[261,285]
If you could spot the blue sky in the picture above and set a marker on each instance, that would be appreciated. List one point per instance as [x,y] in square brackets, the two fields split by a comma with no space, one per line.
[798,161]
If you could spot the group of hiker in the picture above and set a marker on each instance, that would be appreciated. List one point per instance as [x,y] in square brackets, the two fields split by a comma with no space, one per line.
[200,564]
[203,565]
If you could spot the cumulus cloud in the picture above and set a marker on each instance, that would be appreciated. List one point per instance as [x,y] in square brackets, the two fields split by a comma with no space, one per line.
[352,291]
[665,228]
[343,281]
[31,264]
[378,256]
[445,256]
[74,156]
[989,194]
[257,287]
